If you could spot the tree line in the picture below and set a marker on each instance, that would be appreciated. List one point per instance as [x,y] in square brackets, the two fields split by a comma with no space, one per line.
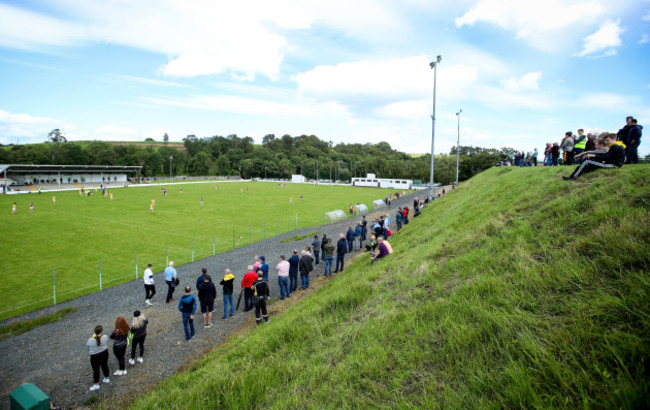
[277,157]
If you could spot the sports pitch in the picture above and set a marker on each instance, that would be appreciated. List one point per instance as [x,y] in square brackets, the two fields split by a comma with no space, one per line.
[72,236]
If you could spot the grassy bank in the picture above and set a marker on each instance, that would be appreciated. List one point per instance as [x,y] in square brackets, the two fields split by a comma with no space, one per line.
[516,290]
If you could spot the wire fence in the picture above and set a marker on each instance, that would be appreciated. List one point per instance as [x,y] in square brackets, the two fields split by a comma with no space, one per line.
[62,284]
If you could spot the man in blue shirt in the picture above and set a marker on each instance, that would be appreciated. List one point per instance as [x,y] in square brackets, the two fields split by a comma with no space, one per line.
[293,271]
[170,278]
[187,307]
[264,267]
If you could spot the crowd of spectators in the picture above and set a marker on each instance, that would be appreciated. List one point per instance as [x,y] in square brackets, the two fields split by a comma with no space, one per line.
[579,147]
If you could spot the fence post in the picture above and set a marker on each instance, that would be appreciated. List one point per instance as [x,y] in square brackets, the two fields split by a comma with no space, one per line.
[214,249]
[264,229]
[288,224]
[233,238]
[166,255]
[277,227]
[192,249]
[136,264]
[100,274]
[54,284]
[250,234]
[296,221]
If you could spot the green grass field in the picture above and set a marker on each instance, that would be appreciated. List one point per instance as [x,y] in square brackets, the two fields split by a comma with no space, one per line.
[517,290]
[73,235]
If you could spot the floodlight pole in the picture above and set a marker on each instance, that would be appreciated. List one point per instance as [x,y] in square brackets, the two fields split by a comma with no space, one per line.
[434,65]
[458,146]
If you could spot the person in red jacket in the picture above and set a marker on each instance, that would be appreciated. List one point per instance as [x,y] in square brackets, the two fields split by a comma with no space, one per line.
[246,284]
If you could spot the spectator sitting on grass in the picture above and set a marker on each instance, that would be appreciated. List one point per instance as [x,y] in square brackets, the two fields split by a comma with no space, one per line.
[601,148]
[382,251]
[614,157]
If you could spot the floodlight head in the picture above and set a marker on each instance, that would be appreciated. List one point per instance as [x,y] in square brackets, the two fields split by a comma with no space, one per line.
[432,64]
[438,58]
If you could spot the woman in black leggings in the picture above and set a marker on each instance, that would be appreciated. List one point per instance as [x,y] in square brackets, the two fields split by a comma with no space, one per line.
[138,332]
[120,337]
[98,345]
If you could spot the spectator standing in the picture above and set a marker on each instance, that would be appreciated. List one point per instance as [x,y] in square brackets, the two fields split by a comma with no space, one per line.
[580,143]
[567,147]
[328,257]
[305,267]
[398,219]
[555,154]
[364,224]
[533,157]
[171,277]
[349,236]
[548,161]
[120,338]
[293,270]
[149,287]
[633,141]
[246,283]
[323,242]
[138,334]
[315,245]
[199,279]
[264,267]
[207,295]
[98,345]
[623,132]
[357,237]
[227,290]
[341,250]
[283,277]
[187,307]
[261,294]
[591,142]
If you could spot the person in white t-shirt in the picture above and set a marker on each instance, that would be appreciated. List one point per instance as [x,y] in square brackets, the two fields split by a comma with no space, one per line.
[149,287]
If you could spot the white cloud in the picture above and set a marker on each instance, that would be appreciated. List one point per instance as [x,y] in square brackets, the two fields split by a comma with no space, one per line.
[407,110]
[604,40]
[383,82]
[644,39]
[646,17]
[541,23]
[26,30]
[526,82]
[608,101]
[200,37]
[153,81]
[27,128]
[233,104]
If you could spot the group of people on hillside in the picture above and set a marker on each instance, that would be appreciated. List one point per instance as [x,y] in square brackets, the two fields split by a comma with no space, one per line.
[254,289]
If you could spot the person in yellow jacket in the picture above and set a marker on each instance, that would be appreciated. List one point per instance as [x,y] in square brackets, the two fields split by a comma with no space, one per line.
[580,143]
[227,283]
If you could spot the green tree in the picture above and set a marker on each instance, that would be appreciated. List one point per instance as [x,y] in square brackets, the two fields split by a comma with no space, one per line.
[165,138]
[56,136]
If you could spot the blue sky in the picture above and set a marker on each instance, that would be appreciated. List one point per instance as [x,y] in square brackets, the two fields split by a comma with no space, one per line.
[523,72]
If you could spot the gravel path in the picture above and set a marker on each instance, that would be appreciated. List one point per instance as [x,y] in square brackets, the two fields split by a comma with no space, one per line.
[55,358]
